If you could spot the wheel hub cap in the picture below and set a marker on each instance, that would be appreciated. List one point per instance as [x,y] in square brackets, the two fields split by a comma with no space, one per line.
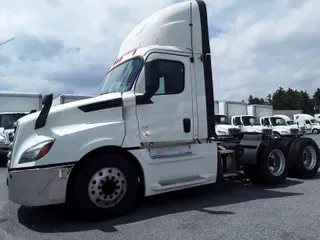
[276,162]
[107,187]
[309,157]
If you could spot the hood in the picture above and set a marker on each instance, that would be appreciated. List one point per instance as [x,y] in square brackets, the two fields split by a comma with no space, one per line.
[258,127]
[63,109]
[226,127]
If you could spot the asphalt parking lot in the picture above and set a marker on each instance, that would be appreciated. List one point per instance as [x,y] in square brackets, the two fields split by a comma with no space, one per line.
[232,210]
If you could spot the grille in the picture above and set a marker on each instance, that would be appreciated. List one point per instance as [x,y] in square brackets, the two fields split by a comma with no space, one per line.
[233,131]
[294,131]
[267,131]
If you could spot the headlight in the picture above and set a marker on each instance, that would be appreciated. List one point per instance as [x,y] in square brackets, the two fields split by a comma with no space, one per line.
[37,151]
[222,132]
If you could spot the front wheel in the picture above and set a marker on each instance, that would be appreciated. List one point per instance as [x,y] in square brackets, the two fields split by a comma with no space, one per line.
[315,131]
[106,187]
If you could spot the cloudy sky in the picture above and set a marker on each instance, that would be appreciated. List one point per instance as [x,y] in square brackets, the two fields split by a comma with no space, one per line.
[66,46]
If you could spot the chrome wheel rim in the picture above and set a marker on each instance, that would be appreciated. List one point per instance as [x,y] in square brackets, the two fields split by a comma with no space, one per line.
[309,157]
[276,162]
[107,187]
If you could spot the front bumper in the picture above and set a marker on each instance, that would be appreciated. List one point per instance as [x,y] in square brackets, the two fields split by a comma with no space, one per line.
[38,186]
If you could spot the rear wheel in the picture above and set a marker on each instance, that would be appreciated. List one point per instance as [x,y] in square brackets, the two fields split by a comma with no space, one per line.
[315,131]
[106,187]
[305,156]
[273,163]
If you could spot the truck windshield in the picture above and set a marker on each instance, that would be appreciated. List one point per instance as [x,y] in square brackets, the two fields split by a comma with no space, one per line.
[250,120]
[121,78]
[7,120]
[290,122]
[277,121]
[221,119]
[314,121]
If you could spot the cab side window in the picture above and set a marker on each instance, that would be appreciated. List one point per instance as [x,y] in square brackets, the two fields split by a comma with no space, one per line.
[266,122]
[172,80]
[237,121]
[307,122]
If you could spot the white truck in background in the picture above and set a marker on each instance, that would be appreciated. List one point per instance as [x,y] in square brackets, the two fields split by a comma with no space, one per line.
[308,121]
[238,113]
[66,98]
[150,131]
[290,122]
[317,117]
[279,126]
[14,106]
[266,118]
[222,124]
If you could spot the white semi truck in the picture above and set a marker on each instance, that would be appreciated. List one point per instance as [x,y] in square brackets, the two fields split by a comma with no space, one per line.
[279,126]
[290,122]
[150,131]
[223,127]
[308,121]
[66,98]
[238,113]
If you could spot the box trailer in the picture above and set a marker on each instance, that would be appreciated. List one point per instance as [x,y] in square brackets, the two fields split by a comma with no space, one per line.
[66,98]
[260,110]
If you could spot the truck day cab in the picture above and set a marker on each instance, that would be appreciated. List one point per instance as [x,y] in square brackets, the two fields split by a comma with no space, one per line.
[279,126]
[151,131]
[308,121]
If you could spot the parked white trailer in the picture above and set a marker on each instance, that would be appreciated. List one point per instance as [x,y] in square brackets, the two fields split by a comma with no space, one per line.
[260,110]
[66,98]
[19,102]
[152,132]
[231,108]
[14,106]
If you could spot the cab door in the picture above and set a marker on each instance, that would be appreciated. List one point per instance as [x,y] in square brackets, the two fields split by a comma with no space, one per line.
[168,117]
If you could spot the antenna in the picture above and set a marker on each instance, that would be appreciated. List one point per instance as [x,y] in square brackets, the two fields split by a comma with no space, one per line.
[4,42]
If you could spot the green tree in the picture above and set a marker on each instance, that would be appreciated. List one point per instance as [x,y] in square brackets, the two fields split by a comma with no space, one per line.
[316,100]
[279,99]
[269,99]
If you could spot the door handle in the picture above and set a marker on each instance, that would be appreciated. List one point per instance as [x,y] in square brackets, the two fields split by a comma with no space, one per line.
[186,125]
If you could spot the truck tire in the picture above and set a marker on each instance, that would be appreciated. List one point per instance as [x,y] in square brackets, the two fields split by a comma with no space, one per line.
[105,188]
[315,131]
[305,156]
[273,164]
[220,177]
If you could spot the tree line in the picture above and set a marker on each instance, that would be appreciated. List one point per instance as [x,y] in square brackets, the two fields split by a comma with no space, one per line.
[290,99]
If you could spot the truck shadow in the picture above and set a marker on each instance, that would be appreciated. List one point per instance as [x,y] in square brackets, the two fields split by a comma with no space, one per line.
[57,219]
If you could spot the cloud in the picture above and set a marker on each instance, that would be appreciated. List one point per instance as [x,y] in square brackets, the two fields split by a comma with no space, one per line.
[268,44]
[66,46]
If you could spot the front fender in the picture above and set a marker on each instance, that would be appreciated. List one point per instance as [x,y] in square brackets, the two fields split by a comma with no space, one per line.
[97,143]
